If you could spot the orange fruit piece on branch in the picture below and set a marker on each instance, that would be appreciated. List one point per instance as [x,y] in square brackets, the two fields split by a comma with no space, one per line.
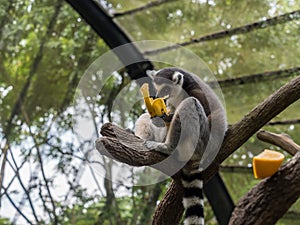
[266,163]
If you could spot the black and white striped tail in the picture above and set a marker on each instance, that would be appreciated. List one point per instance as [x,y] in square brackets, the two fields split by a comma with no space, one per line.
[193,198]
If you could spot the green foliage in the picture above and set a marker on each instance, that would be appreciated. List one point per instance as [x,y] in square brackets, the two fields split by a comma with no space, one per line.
[62,57]
[81,213]
[5,221]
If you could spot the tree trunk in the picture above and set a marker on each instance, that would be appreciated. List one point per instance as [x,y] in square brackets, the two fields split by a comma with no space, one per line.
[170,205]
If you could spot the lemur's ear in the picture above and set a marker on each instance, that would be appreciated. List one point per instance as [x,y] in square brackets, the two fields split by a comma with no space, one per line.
[151,73]
[177,78]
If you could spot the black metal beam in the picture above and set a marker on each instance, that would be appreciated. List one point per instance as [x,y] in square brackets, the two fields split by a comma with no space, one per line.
[219,199]
[113,35]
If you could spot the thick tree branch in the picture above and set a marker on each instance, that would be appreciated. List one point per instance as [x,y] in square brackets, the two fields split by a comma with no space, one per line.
[170,209]
[125,147]
[240,132]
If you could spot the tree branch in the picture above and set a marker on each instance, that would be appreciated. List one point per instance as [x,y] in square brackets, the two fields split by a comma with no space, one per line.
[281,140]
[15,206]
[41,162]
[240,132]
[125,147]
[26,190]
[284,122]
[170,209]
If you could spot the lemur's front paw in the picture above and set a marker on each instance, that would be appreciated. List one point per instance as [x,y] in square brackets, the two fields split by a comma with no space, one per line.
[167,118]
[157,146]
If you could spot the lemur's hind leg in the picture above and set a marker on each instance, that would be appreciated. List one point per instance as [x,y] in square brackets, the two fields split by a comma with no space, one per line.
[188,132]
[146,129]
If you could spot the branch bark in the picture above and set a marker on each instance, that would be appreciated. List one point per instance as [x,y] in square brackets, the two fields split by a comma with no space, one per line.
[125,147]
[170,209]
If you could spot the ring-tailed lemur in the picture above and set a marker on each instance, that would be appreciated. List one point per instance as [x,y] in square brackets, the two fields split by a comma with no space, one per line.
[197,127]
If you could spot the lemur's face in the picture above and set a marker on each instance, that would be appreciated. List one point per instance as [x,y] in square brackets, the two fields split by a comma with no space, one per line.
[168,84]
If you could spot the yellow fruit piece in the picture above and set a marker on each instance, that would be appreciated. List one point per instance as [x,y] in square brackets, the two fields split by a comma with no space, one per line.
[266,163]
[159,107]
[155,107]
